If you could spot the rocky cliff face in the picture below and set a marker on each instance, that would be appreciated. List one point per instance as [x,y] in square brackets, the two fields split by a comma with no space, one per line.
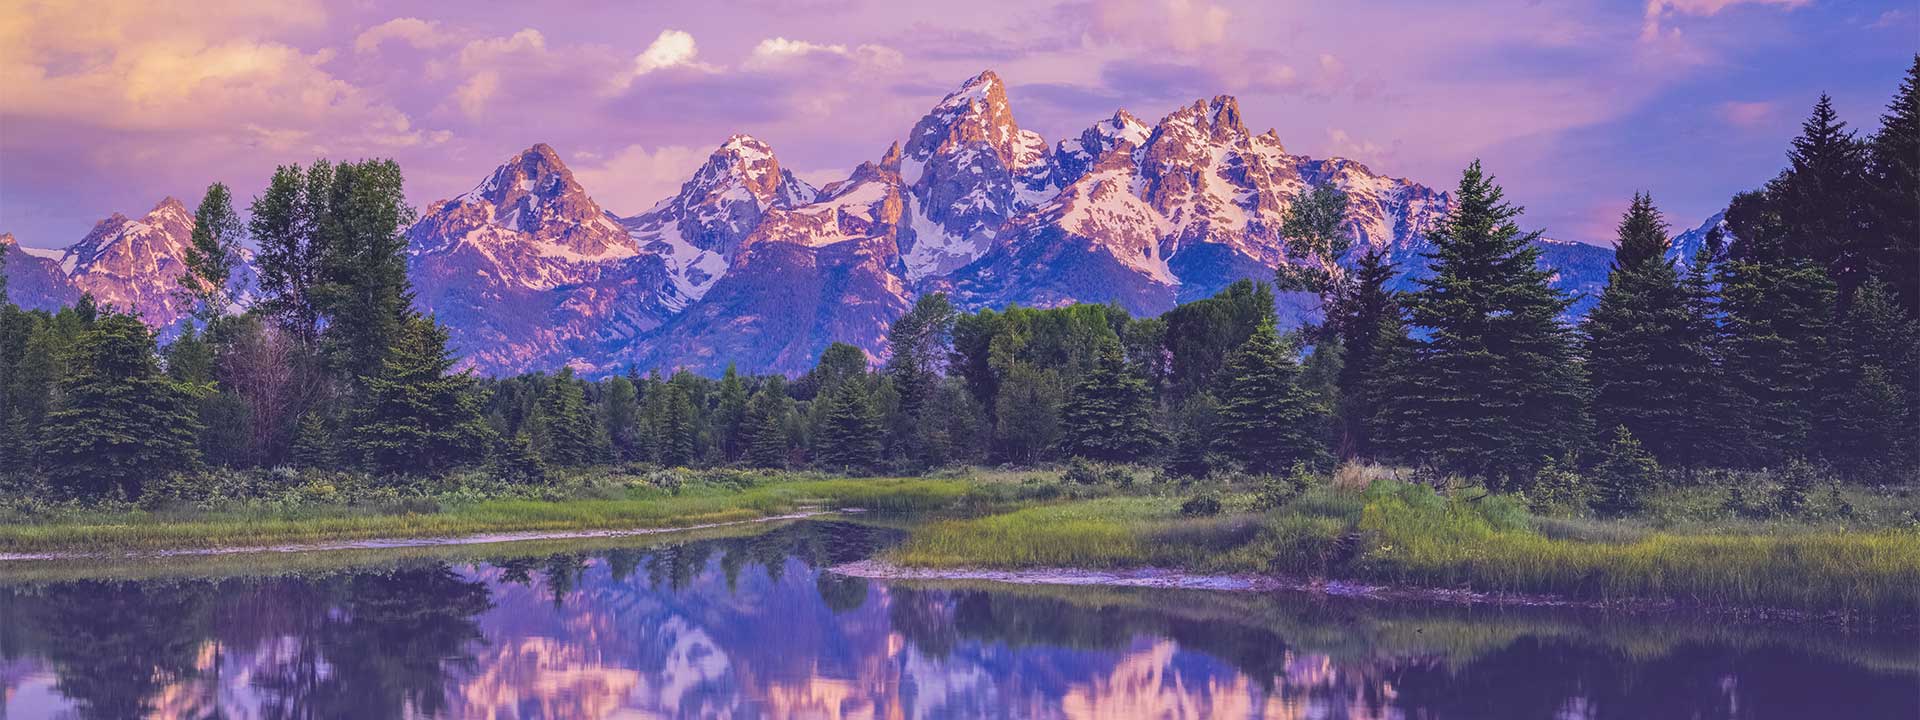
[807,276]
[528,272]
[130,264]
[34,278]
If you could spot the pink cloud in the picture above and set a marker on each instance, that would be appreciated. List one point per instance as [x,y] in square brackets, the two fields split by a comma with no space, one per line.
[1749,114]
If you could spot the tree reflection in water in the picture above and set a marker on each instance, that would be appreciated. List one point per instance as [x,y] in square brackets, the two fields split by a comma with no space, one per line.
[754,626]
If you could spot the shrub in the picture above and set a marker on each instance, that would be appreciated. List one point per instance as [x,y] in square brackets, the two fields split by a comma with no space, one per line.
[1082,472]
[668,479]
[1559,491]
[1202,505]
[1797,479]
[1278,490]
[1624,475]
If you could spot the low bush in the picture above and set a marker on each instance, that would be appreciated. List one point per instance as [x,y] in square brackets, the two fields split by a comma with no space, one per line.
[1205,504]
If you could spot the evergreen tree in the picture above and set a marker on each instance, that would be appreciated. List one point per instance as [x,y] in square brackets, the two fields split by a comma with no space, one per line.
[1871,424]
[1108,416]
[1026,414]
[919,344]
[1891,241]
[729,415]
[1624,475]
[1778,327]
[514,462]
[1365,308]
[765,426]
[313,443]
[849,439]
[1710,419]
[1266,419]
[1812,210]
[211,256]
[418,419]
[1494,387]
[1645,347]
[566,429]
[622,412]
[678,428]
[119,421]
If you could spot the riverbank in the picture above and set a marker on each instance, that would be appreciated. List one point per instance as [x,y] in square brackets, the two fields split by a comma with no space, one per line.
[1406,536]
[621,505]
[1390,536]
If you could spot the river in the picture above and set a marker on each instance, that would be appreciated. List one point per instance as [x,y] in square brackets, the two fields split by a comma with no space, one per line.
[755,625]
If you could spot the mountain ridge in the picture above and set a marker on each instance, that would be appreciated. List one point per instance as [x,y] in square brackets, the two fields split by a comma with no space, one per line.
[749,265]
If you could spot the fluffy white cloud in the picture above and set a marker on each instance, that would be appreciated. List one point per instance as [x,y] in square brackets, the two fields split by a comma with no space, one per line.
[776,52]
[412,31]
[672,48]
[1658,11]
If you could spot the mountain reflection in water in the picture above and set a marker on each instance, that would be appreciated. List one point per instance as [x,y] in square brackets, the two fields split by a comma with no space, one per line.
[755,627]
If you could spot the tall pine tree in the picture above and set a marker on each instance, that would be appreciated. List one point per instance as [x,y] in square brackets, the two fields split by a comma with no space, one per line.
[849,437]
[1366,307]
[566,430]
[1891,242]
[1778,319]
[1109,414]
[419,418]
[1494,387]
[1645,349]
[119,421]
[1266,420]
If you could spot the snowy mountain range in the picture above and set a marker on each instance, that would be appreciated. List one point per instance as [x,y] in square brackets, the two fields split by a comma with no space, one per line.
[749,265]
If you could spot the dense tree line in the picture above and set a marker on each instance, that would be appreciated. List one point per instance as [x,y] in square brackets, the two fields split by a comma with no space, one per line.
[1790,339]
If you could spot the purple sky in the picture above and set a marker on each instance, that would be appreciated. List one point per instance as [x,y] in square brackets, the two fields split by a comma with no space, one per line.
[110,105]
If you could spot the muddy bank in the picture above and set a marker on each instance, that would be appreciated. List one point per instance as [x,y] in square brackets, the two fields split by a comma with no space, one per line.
[1254,583]
[387,543]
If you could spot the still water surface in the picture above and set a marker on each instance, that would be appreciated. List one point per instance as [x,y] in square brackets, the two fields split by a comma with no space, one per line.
[756,627]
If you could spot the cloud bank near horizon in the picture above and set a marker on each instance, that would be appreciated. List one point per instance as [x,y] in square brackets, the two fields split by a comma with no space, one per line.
[1574,106]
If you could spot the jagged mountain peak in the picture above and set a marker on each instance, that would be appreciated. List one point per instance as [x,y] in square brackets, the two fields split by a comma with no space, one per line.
[742,164]
[1217,119]
[536,172]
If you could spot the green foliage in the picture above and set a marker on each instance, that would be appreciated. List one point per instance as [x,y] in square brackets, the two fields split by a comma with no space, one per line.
[1267,421]
[513,462]
[621,410]
[1494,386]
[119,422]
[1558,491]
[1081,472]
[849,438]
[210,259]
[418,419]
[566,429]
[676,428]
[1624,475]
[1204,504]
[765,425]
[1797,479]
[1201,334]
[1649,354]
[1317,239]
[1108,415]
[1277,490]
[314,443]
[1779,318]
[1366,309]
